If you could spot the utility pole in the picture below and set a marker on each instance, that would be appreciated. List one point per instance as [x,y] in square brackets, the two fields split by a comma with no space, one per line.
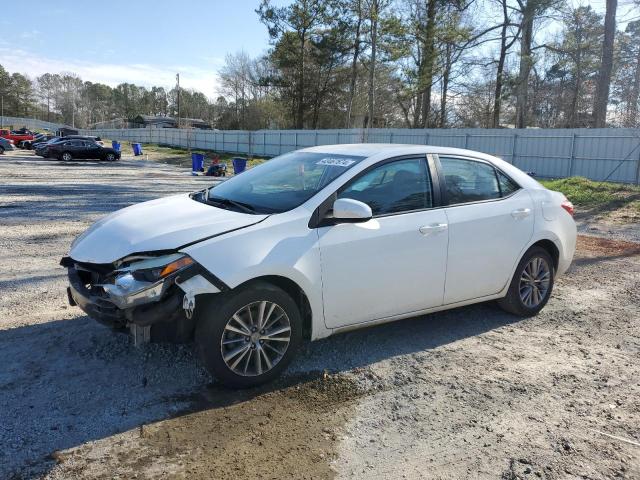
[2,111]
[178,80]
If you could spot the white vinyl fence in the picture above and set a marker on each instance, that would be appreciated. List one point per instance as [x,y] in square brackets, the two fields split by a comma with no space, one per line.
[599,154]
[611,154]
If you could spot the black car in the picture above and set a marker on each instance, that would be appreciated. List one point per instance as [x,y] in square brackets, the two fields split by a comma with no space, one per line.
[42,149]
[69,149]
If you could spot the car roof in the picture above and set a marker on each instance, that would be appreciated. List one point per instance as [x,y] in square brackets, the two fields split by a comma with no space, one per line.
[391,149]
[77,137]
[380,151]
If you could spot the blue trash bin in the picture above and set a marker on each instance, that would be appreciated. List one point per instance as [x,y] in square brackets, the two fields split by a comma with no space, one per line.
[115,145]
[137,149]
[239,165]
[197,162]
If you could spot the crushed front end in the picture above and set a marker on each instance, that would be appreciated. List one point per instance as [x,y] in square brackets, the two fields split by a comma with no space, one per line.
[151,295]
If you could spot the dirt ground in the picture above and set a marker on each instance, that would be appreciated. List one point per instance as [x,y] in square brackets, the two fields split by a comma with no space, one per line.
[469,393]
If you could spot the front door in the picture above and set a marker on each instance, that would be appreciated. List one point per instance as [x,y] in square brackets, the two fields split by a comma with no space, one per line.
[77,149]
[93,150]
[394,263]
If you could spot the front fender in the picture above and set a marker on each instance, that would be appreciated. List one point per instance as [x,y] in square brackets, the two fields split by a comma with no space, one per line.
[283,245]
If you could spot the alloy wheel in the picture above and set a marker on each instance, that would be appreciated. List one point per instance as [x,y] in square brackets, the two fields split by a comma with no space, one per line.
[255,338]
[534,282]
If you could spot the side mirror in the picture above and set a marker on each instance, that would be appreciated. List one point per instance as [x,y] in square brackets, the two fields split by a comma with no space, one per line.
[347,210]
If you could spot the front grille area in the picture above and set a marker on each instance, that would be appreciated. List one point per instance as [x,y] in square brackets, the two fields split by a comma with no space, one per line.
[91,298]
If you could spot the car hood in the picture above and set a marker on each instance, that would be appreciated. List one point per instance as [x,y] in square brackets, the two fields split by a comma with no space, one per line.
[163,224]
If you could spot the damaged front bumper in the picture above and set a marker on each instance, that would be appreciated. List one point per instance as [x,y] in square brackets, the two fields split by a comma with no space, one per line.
[114,297]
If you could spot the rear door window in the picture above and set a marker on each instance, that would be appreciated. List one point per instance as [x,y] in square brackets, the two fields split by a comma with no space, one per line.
[469,181]
[507,186]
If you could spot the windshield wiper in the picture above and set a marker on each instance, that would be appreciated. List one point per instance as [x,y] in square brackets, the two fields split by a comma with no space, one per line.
[245,207]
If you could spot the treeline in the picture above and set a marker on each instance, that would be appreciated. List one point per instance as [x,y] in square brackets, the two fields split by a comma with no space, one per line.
[391,63]
[66,98]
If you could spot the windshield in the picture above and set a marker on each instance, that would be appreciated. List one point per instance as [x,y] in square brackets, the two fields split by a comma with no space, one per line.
[282,183]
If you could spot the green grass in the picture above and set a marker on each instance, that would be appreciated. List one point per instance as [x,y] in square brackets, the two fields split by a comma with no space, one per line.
[587,194]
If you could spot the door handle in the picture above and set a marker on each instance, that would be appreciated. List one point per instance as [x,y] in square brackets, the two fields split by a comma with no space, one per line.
[521,213]
[433,228]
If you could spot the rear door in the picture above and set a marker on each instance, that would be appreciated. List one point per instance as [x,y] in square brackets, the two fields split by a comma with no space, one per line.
[490,222]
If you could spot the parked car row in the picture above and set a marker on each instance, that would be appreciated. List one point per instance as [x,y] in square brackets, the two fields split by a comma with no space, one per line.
[65,148]
[38,138]
[16,136]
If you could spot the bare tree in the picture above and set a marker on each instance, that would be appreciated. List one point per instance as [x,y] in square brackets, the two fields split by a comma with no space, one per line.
[48,84]
[374,12]
[505,45]
[357,42]
[606,66]
[530,10]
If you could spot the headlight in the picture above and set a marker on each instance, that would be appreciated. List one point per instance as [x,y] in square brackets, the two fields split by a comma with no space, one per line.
[143,281]
[175,266]
[154,269]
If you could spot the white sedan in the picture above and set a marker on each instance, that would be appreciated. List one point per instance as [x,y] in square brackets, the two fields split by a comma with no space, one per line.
[319,241]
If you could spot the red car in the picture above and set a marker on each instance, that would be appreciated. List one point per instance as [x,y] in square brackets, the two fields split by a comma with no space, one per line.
[16,137]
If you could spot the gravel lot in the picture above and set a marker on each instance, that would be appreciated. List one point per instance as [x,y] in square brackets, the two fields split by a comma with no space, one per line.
[469,393]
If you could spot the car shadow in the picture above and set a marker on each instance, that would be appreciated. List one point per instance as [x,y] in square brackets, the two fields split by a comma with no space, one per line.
[68,382]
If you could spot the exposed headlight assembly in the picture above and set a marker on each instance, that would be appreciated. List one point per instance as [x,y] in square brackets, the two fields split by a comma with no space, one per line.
[154,269]
[144,281]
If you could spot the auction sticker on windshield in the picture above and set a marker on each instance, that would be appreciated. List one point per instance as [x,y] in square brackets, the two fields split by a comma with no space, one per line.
[336,162]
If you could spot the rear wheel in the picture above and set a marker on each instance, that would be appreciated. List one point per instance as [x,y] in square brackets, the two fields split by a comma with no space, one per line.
[1,150]
[248,337]
[66,156]
[531,284]
[110,157]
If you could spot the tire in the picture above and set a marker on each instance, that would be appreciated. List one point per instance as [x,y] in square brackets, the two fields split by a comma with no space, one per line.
[517,301]
[215,324]
[66,157]
[110,157]
[1,150]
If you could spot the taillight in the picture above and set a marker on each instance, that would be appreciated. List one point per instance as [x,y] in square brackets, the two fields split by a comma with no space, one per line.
[568,206]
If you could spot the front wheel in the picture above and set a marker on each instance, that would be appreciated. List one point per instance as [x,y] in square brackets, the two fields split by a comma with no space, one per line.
[248,337]
[111,157]
[531,284]
[1,150]
[66,156]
